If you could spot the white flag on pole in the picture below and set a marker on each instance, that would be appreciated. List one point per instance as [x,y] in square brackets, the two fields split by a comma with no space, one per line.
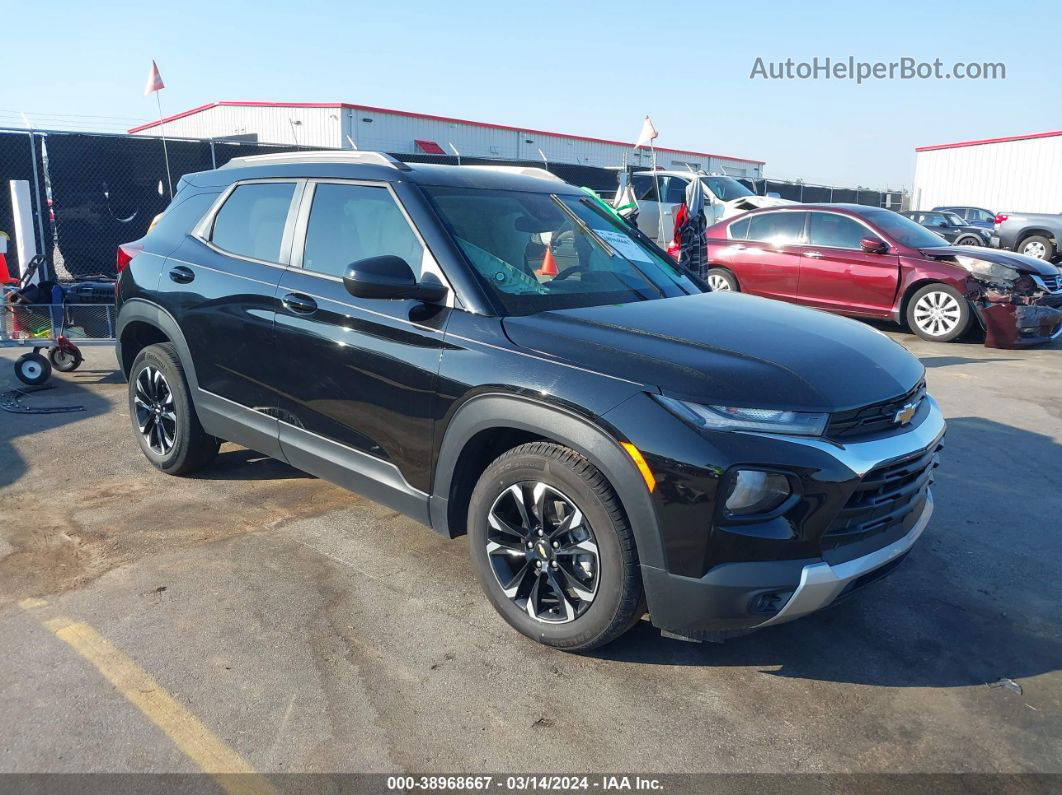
[154,81]
[648,134]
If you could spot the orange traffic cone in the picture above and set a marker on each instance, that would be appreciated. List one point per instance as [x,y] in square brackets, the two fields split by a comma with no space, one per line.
[549,265]
[5,274]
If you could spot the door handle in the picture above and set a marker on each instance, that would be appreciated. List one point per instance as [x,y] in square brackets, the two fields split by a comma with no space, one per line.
[813,254]
[299,304]
[181,274]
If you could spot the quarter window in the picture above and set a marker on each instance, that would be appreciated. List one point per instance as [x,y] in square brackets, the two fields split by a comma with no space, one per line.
[352,222]
[837,231]
[739,230]
[251,221]
[778,229]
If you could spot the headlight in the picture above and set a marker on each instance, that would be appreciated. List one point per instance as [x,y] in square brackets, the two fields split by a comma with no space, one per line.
[754,491]
[739,418]
[991,271]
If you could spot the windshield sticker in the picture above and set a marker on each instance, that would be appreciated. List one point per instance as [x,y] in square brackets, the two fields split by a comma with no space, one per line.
[624,245]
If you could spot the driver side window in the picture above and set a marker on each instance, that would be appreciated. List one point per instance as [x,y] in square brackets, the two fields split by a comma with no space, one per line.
[352,222]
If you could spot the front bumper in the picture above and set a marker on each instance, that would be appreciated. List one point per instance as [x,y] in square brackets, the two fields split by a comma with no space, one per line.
[737,597]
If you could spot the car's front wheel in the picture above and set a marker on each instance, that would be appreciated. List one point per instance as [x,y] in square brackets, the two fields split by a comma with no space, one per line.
[969,240]
[938,313]
[163,415]
[553,549]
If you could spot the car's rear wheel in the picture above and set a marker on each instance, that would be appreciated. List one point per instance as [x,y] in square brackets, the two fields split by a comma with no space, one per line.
[163,416]
[722,280]
[938,313]
[553,549]
[1038,246]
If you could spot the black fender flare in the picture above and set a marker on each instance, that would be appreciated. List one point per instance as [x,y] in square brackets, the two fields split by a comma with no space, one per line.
[599,445]
[137,310]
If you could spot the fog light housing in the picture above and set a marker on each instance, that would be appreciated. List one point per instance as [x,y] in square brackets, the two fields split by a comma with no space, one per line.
[753,491]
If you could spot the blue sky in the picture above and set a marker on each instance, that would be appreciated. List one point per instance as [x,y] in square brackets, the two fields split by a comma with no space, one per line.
[586,68]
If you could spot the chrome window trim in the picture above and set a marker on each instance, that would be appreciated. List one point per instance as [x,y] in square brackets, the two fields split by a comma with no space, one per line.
[202,230]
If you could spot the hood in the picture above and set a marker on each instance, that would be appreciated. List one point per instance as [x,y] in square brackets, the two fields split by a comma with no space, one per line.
[728,348]
[746,203]
[1010,259]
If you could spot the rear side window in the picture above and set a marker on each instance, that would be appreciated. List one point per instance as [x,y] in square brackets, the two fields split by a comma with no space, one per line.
[351,222]
[778,229]
[644,187]
[837,231]
[676,190]
[739,230]
[184,212]
[251,221]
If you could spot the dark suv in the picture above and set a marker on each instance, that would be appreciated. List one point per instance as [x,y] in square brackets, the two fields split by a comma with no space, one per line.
[489,350]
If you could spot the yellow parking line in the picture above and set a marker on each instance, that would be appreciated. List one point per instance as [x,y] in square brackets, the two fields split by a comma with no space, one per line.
[232,772]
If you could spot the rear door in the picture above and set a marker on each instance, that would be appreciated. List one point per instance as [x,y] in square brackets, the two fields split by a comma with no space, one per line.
[357,375]
[767,262]
[836,274]
[221,287]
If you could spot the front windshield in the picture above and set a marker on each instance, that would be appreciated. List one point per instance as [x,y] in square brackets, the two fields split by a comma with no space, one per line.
[903,230]
[541,251]
[726,188]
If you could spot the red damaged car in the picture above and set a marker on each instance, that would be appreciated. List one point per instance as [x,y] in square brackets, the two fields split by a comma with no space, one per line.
[875,263]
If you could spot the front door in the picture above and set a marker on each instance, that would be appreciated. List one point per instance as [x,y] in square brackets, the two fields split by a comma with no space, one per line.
[768,262]
[358,375]
[835,272]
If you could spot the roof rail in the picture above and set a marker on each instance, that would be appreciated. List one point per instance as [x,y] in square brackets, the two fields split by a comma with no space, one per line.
[319,156]
[527,171]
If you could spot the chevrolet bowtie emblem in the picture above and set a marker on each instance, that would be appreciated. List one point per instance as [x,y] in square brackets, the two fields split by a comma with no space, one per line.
[904,415]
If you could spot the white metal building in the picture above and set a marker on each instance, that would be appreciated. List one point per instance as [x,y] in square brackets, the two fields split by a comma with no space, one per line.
[343,126]
[1023,173]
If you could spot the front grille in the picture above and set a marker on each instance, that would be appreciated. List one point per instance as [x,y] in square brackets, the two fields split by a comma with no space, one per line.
[873,418]
[886,496]
[1053,283]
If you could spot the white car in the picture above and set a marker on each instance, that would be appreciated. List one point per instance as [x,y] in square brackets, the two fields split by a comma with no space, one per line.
[723,197]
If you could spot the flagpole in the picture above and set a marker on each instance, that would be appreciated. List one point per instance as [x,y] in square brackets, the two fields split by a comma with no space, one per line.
[659,198]
[165,150]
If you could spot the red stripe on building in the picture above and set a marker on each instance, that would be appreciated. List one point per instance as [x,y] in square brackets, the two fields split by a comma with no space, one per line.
[1008,139]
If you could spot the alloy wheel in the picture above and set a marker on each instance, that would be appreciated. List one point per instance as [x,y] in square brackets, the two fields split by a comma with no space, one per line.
[937,313]
[155,415]
[1035,249]
[543,552]
[717,282]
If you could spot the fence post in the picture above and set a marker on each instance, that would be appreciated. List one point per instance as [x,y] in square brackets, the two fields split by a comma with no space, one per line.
[213,158]
[37,196]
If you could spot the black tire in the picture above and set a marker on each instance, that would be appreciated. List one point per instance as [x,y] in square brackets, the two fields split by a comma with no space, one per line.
[1043,247]
[176,447]
[724,276]
[949,324]
[63,361]
[969,240]
[32,369]
[617,601]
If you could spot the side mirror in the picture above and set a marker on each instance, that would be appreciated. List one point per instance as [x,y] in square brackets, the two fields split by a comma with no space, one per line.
[389,277]
[871,246]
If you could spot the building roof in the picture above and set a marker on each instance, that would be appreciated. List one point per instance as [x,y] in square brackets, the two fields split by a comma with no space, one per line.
[426,117]
[989,141]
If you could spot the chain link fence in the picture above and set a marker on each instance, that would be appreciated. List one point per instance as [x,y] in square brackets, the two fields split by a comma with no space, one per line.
[91,192]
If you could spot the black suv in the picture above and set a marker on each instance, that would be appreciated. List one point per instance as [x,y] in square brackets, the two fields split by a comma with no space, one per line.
[489,350]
